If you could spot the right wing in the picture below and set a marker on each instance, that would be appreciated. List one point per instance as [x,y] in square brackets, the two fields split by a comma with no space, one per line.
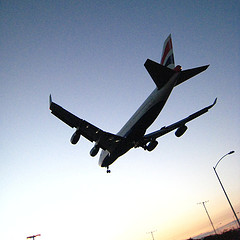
[164,130]
[105,140]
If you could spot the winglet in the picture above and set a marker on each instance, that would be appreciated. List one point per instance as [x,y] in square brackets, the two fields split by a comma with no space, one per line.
[50,101]
[210,106]
[215,101]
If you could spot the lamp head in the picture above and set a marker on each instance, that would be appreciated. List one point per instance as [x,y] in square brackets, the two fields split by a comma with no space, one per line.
[231,152]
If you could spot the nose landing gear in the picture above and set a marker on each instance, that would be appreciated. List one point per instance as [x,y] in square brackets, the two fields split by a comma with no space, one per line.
[108,171]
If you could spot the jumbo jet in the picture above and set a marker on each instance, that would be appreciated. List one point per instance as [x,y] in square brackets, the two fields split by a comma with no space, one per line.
[133,134]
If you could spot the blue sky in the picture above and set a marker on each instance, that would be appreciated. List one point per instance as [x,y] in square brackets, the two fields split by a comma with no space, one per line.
[89,55]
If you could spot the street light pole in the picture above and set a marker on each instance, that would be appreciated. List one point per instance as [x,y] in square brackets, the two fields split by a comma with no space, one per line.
[33,237]
[151,233]
[214,168]
[203,203]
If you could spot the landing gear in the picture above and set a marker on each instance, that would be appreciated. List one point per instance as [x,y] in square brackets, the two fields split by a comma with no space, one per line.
[108,171]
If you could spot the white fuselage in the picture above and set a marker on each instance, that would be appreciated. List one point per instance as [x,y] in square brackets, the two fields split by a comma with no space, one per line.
[137,125]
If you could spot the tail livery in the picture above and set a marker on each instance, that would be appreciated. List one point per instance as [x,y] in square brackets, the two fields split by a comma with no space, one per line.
[161,73]
[167,54]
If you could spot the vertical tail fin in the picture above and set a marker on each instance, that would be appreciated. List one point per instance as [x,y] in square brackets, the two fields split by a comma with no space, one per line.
[167,53]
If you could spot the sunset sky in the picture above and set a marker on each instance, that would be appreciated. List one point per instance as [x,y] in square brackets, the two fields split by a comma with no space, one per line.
[89,55]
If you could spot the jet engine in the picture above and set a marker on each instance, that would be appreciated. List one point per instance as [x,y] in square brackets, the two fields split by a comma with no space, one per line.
[151,145]
[180,131]
[75,137]
[94,151]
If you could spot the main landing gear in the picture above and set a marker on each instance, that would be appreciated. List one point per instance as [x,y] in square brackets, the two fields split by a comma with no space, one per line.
[108,171]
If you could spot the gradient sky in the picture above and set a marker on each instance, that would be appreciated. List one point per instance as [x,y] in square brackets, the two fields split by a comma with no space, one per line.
[89,55]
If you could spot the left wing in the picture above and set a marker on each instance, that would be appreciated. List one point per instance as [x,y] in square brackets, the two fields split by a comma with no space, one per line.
[104,140]
[180,126]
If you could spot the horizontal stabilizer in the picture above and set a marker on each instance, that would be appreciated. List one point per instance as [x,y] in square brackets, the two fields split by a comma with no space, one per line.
[159,73]
[186,74]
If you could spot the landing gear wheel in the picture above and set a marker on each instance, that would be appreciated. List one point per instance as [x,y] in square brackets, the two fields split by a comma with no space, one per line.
[108,171]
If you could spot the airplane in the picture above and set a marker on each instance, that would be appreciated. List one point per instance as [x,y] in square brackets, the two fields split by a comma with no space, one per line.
[132,135]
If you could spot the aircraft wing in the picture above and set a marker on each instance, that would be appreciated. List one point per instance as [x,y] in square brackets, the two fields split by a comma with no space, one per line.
[105,140]
[164,130]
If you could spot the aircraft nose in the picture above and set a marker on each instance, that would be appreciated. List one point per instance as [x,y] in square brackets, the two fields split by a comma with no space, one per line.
[105,162]
[103,159]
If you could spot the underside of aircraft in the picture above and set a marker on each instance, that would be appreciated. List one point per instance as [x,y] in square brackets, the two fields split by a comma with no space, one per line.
[132,135]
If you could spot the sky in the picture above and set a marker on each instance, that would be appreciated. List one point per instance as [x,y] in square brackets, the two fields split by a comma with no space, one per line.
[89,55]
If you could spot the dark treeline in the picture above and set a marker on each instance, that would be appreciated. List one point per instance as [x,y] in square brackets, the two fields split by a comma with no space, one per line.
[229,235]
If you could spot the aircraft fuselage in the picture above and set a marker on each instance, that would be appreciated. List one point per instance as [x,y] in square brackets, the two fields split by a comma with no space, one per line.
[135,128]
[133,134]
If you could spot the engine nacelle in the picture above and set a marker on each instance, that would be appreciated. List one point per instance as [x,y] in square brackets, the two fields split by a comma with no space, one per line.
[94,151]
[151,145]
[75,137]
[180,131]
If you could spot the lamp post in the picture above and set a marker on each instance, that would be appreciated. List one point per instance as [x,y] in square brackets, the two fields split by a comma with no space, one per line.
[34,236]
[203,203]
[214,168]
[151,233]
